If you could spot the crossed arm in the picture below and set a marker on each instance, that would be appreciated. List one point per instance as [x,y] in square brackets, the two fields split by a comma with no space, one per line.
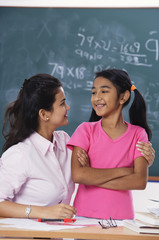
[112,178]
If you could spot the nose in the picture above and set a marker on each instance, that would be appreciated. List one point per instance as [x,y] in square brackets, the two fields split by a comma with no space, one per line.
[67,107]
[97,96]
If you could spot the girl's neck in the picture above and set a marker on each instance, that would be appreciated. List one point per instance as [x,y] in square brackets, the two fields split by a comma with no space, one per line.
[115,127]
[114,122]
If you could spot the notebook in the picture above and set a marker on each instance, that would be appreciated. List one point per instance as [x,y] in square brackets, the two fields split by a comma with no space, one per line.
[141,227]
[147,217]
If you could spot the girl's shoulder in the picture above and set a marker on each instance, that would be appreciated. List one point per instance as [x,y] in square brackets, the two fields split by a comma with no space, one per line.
[90,126]
[136,129]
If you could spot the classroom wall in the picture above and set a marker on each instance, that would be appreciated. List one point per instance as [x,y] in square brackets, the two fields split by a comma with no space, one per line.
[81,3]
[143,198]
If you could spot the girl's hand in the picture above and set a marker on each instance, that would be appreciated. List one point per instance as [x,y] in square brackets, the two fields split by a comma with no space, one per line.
[147,151]
[59,211]
[83,158]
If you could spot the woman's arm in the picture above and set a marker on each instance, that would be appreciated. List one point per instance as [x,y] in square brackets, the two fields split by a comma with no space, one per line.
[136,180]
[15,210]
[94,176]
[147,151]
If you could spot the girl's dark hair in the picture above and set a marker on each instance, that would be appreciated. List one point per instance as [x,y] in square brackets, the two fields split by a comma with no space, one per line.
[137,112]
[21,116]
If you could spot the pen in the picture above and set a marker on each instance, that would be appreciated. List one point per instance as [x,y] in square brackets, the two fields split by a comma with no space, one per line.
[65,220]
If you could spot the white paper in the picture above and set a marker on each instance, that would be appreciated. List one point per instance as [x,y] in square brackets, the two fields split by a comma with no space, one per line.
[93,221]
[31,224]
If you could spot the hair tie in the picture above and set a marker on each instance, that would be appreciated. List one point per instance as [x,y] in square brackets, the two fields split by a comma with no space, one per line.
[133,87]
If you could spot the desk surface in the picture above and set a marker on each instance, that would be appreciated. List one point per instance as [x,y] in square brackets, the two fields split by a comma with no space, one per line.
[92,232]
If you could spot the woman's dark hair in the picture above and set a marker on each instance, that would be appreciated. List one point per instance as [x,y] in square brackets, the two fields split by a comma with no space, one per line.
[137,112]
[21,116]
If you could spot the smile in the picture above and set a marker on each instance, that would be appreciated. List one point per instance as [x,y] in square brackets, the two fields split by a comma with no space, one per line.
[99,105]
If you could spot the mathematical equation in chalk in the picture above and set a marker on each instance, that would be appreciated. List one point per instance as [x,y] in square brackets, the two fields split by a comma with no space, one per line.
[92,48]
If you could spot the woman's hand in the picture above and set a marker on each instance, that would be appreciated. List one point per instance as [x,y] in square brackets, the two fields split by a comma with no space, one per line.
[83,158]
[147,151]
[59,211]
[16,210]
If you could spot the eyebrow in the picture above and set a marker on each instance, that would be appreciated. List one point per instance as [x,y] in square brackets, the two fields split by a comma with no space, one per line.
[63,100]
[102,87]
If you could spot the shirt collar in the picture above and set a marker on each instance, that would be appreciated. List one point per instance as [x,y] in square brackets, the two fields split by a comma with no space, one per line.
[43,144]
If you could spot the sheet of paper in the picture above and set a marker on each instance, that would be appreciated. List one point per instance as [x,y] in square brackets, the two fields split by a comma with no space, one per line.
[92,221]
[31,224]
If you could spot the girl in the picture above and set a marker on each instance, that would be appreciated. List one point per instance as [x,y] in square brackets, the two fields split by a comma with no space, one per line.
[116,165]
[35,172]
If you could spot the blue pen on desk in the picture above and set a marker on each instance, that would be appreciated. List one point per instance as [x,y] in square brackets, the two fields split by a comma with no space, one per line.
[65,220]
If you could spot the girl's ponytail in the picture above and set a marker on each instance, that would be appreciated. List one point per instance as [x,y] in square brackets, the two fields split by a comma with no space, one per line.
[137,113]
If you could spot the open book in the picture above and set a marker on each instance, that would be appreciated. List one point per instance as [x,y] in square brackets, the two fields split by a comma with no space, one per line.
[141,227]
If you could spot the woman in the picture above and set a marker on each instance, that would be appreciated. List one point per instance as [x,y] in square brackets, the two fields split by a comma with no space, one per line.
[35,172]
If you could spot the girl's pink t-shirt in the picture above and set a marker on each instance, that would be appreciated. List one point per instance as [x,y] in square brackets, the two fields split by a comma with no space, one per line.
[96,202]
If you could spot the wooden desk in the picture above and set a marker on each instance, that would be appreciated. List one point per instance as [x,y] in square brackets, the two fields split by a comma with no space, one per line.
[119,233]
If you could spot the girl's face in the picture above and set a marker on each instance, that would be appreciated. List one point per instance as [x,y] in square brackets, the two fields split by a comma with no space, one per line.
[58,116]
[104,98]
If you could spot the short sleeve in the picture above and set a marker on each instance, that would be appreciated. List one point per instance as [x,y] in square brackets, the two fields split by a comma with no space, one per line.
[141,137]
[13,173]
[81,137]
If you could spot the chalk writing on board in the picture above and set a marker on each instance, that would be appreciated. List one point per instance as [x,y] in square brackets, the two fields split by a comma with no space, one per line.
[77,72]
[73,73]
[90,48]
[95,54]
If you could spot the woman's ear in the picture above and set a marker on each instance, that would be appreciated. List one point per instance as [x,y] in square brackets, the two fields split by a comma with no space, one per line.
[43,115]
[124,97]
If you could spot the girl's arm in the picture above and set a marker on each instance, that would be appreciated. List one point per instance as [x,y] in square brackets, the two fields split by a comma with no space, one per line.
[94,176]
[146,149]
[136,180]
[15,210]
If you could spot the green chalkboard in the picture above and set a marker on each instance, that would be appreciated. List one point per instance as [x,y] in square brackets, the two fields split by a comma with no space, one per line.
[72,44]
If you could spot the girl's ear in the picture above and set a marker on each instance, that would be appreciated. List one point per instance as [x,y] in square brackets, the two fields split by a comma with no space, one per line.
[124,97]
[43,115]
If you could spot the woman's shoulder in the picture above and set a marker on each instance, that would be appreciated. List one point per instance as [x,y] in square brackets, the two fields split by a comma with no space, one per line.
[61,135]
[16,156]
[19,148]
